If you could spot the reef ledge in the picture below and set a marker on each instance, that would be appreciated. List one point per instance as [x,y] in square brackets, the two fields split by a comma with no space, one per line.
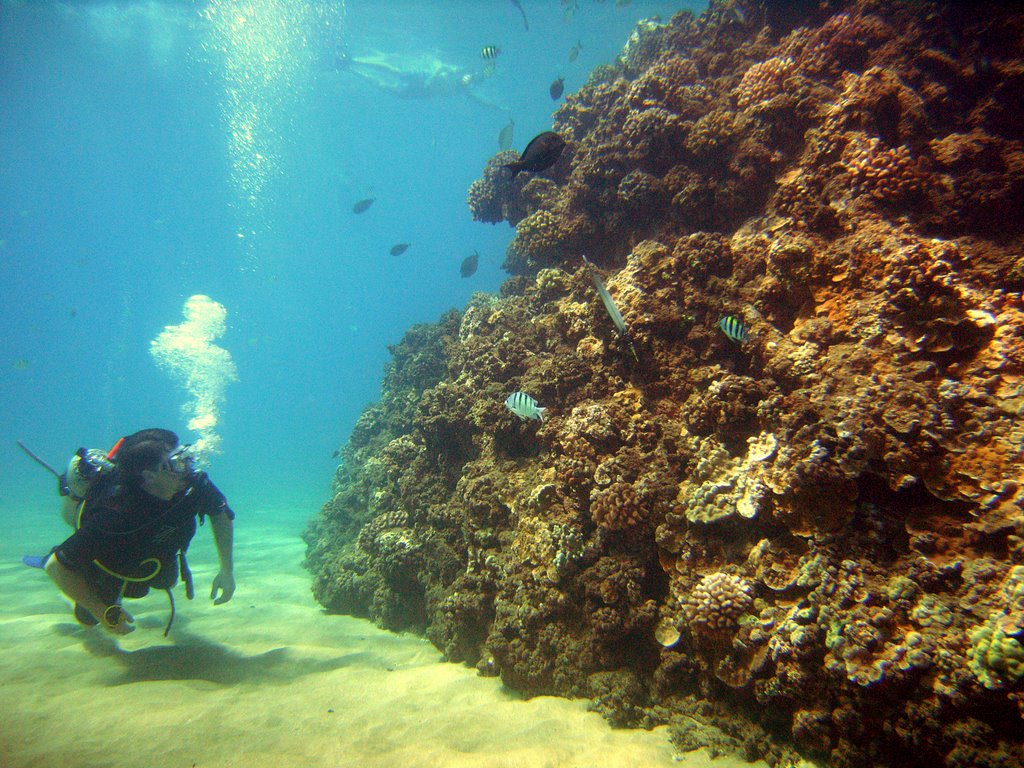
[808,543]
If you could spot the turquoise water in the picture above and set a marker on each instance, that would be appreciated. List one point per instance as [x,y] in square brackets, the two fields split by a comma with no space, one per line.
[152,151]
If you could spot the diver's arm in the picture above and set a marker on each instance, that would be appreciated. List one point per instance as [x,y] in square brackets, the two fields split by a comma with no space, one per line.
[223,537]
[77,588]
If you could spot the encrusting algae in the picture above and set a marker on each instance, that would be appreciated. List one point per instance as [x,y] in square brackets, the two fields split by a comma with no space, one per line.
[809,542]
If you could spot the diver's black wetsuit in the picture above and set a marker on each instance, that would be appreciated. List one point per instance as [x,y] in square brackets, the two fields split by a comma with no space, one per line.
[128,540]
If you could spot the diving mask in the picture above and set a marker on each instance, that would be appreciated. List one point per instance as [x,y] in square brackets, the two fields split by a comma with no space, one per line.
[181,461]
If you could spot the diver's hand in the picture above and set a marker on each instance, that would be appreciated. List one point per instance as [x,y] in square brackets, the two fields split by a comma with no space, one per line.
[225,583]
[124,622]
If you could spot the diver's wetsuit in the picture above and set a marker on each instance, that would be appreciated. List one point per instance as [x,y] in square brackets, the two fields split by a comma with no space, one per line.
[128,540]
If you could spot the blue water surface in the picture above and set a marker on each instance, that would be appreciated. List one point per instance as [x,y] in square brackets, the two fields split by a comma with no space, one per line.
[150,151]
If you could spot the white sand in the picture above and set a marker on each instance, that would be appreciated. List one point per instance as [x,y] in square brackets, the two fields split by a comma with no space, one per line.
[267,680]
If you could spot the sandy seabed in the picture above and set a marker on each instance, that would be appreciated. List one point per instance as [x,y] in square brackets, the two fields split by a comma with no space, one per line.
[268,680]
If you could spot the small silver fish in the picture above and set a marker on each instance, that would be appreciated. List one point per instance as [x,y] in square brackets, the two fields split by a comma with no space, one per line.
[505,137]
[524,406]
[733,328]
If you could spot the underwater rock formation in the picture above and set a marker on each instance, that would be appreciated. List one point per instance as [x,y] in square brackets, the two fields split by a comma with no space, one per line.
[808,542]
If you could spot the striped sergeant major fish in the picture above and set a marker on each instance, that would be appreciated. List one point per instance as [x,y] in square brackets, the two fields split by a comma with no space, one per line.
[489,52]
[524,406]
[733,328]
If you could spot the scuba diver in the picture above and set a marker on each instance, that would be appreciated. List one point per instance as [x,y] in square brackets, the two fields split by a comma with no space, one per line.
[134,511]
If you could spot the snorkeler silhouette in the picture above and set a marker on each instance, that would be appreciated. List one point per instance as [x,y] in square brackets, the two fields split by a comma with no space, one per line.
[413,76]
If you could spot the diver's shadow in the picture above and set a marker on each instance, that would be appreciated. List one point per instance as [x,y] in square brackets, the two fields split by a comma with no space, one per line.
[194,657]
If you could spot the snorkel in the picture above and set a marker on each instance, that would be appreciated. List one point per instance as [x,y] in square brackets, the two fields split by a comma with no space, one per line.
[112,453]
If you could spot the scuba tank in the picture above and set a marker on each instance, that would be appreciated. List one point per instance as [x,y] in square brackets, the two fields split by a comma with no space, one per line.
[86,467]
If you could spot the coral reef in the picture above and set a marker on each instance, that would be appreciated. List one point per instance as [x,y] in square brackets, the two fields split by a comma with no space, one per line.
[616,507]
[717,603]
[808,543]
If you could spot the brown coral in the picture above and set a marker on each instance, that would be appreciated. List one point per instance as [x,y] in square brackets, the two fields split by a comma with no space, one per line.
[844,42]
[537,238]
[616,507]
[654,131]
[641,191]
[367,539]
[670,84]
[850,189]
[883,173]
[488,198]
[763,81]
[717,604]
[713,133]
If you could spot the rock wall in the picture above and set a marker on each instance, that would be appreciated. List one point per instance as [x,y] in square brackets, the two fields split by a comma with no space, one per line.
[807,542]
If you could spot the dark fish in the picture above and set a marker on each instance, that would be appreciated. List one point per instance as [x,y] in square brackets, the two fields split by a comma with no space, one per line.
[363,205]
[399,248]
[469,265]
[526,24]
[557,88]
[733,328]
[336,454]
[540,154]
[505,137]
[489,52]
[575,51]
